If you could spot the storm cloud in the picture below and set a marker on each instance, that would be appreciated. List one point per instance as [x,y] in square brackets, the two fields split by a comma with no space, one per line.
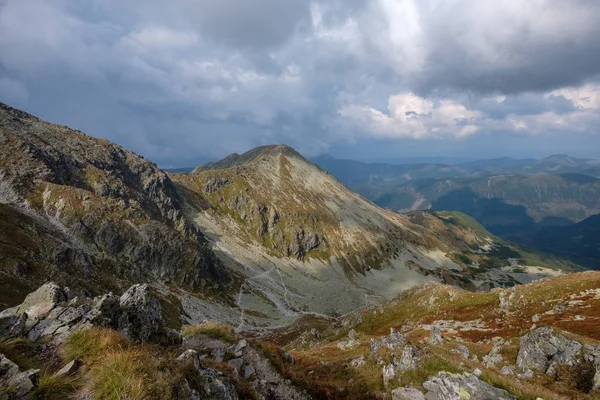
[187,80]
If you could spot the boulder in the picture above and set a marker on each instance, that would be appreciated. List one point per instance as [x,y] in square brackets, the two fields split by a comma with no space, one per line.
[543,350]
[38,304]
[407,393]
[140,317]
[447,386]
[70,369]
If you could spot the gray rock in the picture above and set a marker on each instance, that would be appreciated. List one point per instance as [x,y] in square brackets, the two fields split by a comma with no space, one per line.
[463,350]
[493,357]
[218,353]
[240,345]
[389,372]
[543,350]
[409,358]
[140,317]
[375,345]
[395,340]
[358,362]
[17,384]
[216,387]
[446,386]
[508,370]
[248,371]
[435,337]
[407,393]
[70,369]
[236,363]
[528,374]
[37,305]
[190,355]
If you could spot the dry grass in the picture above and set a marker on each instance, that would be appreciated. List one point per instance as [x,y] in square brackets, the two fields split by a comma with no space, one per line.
[118,369]
[93,344]
[55,387]
[214,330]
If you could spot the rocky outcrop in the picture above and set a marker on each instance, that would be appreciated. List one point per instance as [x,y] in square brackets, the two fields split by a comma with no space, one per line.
[140,316]
[447,386]
[248,364]
[543,350]
[407,361]
[102,210]
[214,386]
[395,340]
[494,356]
[13,382]
[46,313]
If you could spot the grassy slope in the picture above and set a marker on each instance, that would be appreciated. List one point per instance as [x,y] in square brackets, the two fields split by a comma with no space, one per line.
[323,368]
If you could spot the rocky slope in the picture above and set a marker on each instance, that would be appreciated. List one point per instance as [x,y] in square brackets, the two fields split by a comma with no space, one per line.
[85,211]
[304,243]
[435,342]
[536,341]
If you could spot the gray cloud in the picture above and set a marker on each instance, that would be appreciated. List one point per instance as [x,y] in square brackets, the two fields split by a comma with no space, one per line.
[190,79]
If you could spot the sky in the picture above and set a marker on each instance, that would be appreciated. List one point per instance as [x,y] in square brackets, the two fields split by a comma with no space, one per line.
[185,81]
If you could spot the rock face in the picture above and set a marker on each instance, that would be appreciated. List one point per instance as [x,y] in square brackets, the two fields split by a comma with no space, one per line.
[140,313]
[446,386]
[46,313]
[83,203]
[543,350]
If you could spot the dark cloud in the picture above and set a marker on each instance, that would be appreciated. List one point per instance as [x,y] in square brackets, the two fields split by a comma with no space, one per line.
[187,80]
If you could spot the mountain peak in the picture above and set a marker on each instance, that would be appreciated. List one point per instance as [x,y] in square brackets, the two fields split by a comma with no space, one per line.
[236,159]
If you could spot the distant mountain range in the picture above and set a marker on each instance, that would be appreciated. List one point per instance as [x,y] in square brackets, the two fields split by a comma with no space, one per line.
[515,198]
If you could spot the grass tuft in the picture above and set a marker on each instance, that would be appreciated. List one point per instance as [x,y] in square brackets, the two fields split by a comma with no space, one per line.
[55,387]
[214,330]
[93,344]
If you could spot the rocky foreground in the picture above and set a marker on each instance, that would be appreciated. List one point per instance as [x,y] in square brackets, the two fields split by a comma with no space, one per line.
[432,342]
